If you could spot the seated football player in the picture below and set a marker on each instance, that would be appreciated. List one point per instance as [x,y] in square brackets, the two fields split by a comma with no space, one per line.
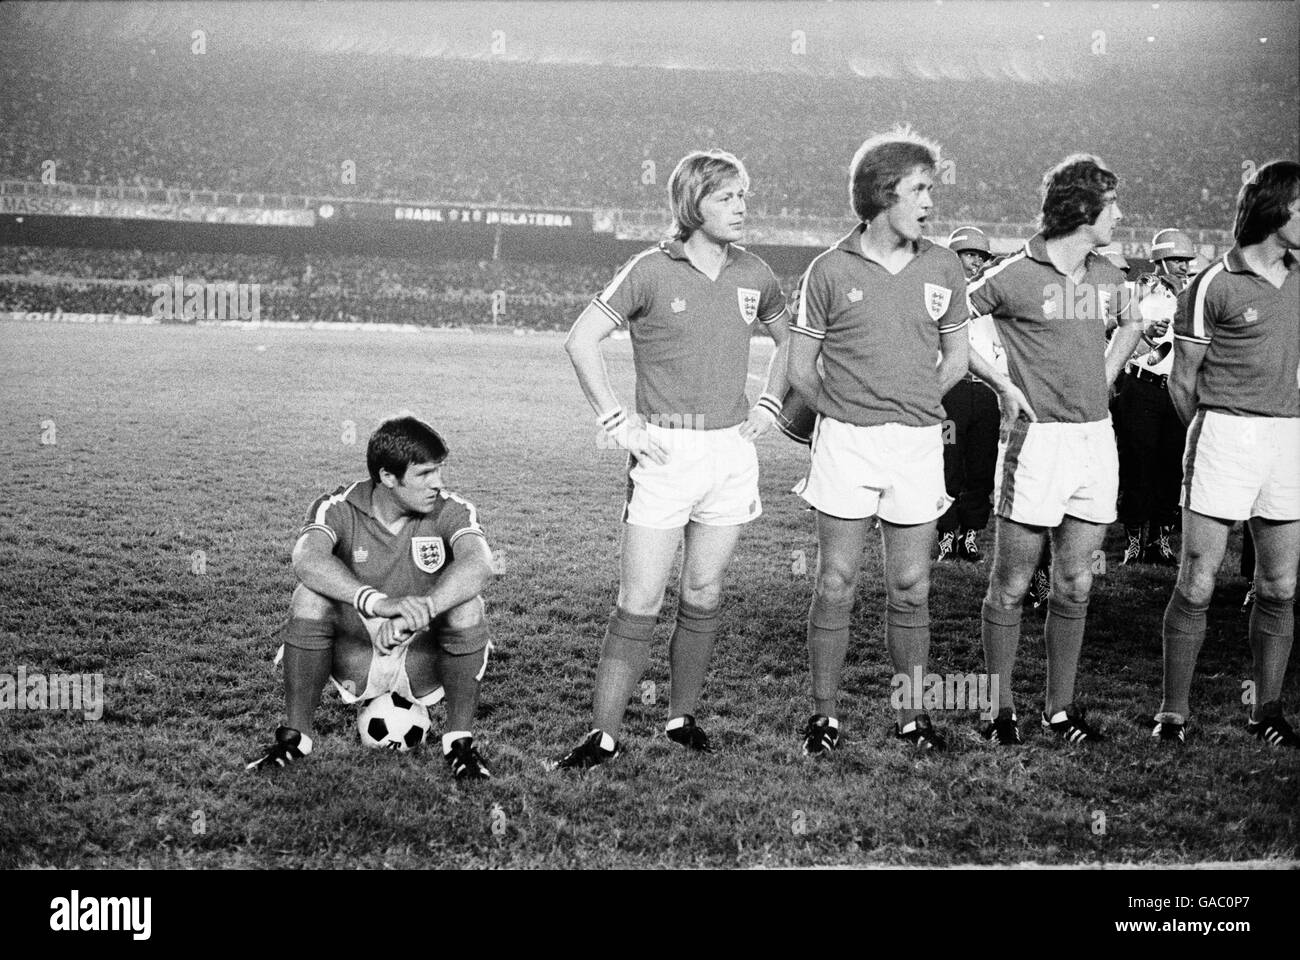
[390,573]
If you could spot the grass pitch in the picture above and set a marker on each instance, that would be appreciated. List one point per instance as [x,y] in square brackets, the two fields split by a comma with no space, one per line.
[149,542]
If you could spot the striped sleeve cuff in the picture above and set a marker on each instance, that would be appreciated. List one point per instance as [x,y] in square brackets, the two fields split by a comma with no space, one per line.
[808,331]
[465,531]
[771,403]
[1191,339]
[328,531]
[954,327]
[611,421]
[608,311]
[784,311]
[365,599]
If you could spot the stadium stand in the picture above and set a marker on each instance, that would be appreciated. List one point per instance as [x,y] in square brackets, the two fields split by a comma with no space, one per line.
[306,287]
[581,135]
[147,114]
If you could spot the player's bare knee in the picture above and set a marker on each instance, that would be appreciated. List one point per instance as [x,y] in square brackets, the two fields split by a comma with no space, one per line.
[910,586]
[702,596]
[1007,591]
[836,586]
[1196,584]
[471,613]
[307,604]
[914,595]
[1006,598]
[1073,586]
[1280,588]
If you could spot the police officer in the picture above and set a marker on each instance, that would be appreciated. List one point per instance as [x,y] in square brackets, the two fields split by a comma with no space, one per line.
[1149,432]
[970,450]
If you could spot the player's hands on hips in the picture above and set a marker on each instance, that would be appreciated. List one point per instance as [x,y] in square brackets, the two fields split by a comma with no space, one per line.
[758,422]
[392,634]
[633,437]
[1014,405]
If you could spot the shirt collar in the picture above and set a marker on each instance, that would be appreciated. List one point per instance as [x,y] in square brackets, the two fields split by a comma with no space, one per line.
[852,243]
[1236,263]
[362,496]
[677,250]
[1036,248]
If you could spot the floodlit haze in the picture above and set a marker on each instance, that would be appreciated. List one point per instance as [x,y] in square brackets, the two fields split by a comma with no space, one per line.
[954,39]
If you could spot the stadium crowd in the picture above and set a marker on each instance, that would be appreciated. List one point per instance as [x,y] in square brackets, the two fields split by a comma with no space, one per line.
[582,135]
[307,287]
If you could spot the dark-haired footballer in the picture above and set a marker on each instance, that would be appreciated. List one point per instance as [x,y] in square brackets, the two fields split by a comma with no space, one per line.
[1059,475]
[391,570]
[1236,384]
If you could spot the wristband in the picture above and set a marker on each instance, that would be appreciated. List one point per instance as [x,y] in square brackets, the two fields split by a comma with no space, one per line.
[611,420]
[365,599]
[771,403]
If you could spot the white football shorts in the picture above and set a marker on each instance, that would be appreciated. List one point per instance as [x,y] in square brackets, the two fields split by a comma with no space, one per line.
[711,478]
[1048,471]
[387,673]
[1238,467]
[887,470]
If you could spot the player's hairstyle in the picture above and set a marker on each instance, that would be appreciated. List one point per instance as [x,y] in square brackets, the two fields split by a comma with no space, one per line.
[1072,194]
[400,442]
[1262,202]
[697,175]
[882,161]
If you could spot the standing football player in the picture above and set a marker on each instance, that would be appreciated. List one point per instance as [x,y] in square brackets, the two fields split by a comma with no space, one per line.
[1057,476]
[690,305]
[1236,383]
[971,406]
[1151,436]
[877,309]
[390,574]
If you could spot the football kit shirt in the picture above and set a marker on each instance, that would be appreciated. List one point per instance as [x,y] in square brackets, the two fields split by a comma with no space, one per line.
[1053,328]
[1251,331]
[690,334]
[404,563]
[880,331]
